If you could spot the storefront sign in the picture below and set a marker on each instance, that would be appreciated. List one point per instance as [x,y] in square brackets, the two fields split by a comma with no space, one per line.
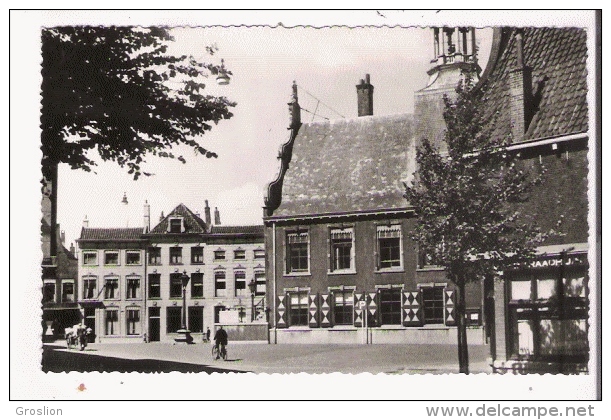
[557,262]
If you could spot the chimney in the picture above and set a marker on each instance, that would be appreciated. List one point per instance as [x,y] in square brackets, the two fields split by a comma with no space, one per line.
[161,217]
[72,249]
[207,213]
[294,109]
[147,216]
[520,90]
[85,222]
[364,93]
[217,217]
[62,236]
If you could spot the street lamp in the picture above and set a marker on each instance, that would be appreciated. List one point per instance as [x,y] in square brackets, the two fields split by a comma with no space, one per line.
[253,287]
[184,335]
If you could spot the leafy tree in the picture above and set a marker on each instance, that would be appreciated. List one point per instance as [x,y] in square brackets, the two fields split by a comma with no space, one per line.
[467,201]
[117,91]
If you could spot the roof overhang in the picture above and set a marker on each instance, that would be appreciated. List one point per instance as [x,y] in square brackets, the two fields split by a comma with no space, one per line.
[334,215]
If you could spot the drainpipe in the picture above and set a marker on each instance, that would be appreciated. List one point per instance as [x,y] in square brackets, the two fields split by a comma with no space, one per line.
[274,282]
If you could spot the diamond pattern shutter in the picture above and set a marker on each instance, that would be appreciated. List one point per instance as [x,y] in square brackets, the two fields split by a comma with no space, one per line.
[372,309]
[313,315]
[450,312]
[326,310]
[412,309]
[358,312]
[281,312]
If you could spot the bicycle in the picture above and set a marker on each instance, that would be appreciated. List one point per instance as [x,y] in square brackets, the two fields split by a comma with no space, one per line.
[222,354]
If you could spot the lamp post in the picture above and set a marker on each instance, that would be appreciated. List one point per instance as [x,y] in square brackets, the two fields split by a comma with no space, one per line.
[253,287]
[184,335]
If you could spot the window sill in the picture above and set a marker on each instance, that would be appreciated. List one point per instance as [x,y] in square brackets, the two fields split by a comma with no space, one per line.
[155,264]
[175,263]
[340,272]
[133,265]
[90,265]
[297,274]
[390,270]
[197,263]
[112,265]
[133,299]
[154,297]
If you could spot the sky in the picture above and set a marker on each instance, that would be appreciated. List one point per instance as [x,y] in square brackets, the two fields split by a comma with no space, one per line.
[326,64]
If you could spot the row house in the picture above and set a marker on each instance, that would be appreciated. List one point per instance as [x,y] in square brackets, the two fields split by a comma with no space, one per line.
[134,280]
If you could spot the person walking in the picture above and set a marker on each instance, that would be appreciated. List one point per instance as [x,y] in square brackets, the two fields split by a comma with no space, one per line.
[208,335]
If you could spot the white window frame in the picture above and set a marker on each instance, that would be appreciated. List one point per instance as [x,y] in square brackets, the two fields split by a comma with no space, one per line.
[259,254]
[90,252]
[216,294]
[86,279]
[138,323]
[133,251]
[68,281]
[332,258]
[112,251]
[118,288]
[117,323]
[138,290]
[288,270]
[245,292]
[182,224]
[392,227]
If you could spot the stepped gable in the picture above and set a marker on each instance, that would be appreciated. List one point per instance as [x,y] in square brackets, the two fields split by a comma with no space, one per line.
[557,57]
[349,165]
[192,223]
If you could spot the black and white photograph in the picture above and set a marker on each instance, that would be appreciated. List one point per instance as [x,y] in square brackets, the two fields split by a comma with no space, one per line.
[280,202]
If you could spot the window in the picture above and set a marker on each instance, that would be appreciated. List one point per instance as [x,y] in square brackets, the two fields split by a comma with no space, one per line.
[297,258]
[132,257]
[175,225]
[133,288]
[111,288]
[111,257]
[175,285]
[260,283]
[343,307]
[133,321]
[154,255]
[197,255]
[48,291]
[389,247]
[67,290]
[239,254]
[173,319]
[175,255]
[240,283]
[90,258]
[111,322]
[154,286]
[259,254]
[197,285]
[219,255]
[342,249]
[390,306]
[90,318]
[89,288]
[196,319]
[220,284]
[298,310]
[433,305]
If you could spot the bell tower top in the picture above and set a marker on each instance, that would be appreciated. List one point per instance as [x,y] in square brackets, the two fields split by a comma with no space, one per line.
[454,45]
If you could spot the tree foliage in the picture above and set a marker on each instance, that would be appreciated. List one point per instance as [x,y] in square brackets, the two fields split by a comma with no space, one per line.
[117,91]
[467,200]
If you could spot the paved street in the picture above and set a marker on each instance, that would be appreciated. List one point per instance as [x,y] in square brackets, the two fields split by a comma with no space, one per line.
[263,358]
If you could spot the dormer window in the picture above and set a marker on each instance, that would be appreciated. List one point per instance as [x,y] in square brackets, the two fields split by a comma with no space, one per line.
[176,225]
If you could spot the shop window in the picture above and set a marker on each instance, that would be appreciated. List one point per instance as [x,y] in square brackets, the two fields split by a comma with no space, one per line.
[389,247]
[111,322]
[133,321]
[390,306]
[89,288]
[220,284]
[240,284]
[433,305]
[67,290]
[154,286]
[90,258]
[175,285]
[173,319]
[297,252]
[196,319]
[175,255]
[197,285]
[132,258]
[111,288]
[197,255]
[133,288]
[111,257]
[154,253]
[342,249]
[343,307]
[298,309]
[239,254]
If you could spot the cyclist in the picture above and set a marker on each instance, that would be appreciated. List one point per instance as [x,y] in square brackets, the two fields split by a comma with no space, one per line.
[220,341]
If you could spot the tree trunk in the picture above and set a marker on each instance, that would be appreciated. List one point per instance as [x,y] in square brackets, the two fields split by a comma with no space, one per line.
[463,350]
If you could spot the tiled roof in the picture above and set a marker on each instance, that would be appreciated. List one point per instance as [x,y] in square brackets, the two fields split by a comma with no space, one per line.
[557,57]
[110,234]
[237,230]
[192,223]
[349,165]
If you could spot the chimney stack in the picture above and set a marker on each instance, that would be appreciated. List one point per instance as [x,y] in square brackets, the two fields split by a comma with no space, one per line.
[207,213]
[147,216]
[217,217]
[85,222]
[161,217]
[72,249]
[62,236]
[294,109]
[364,93]
[520,89]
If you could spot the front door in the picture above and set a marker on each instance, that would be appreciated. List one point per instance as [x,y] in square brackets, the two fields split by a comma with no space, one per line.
[154,324]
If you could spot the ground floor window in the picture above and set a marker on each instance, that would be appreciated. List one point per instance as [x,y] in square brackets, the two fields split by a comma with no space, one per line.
[343,307]
[390,306]
[298,310]
[196,319]
[133,321]
[112,322]
[173,319]
[90,318]
[432,305]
